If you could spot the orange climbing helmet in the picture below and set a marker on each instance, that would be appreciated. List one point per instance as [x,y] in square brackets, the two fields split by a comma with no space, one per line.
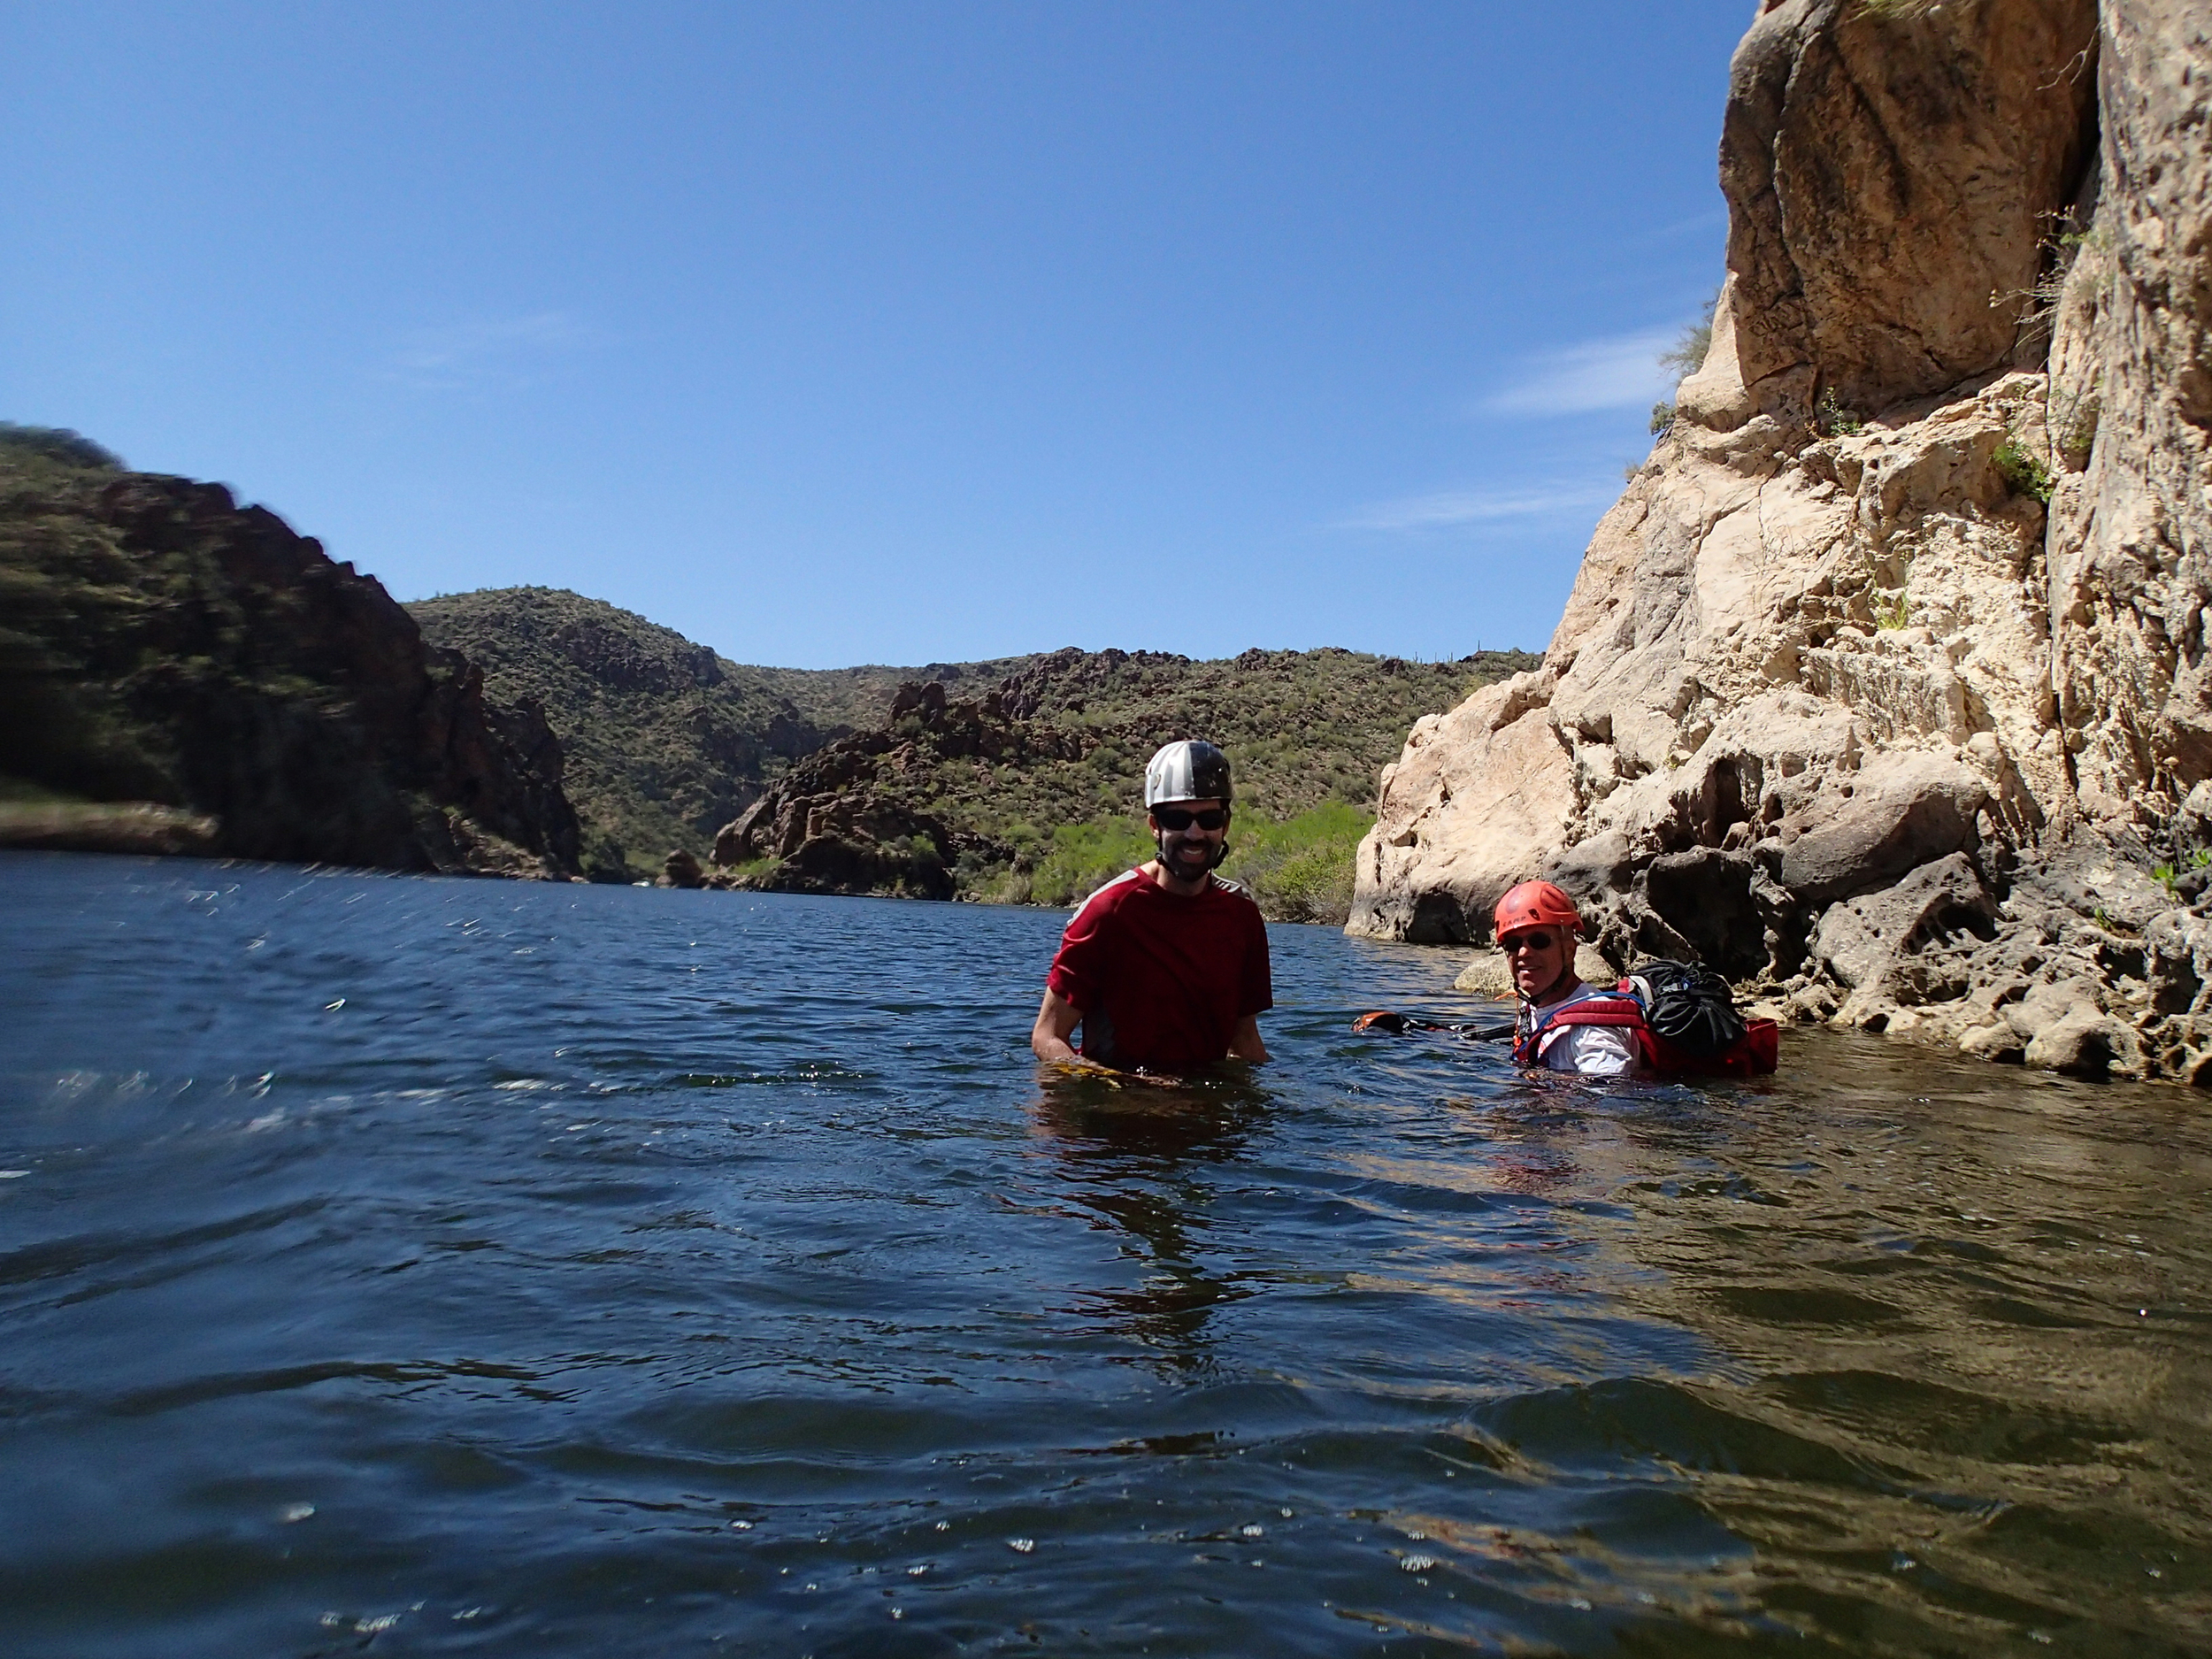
[1535,904]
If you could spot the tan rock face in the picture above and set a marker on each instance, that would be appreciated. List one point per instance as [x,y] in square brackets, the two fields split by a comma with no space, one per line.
[1887,169]
[1838,703]
[2133,372]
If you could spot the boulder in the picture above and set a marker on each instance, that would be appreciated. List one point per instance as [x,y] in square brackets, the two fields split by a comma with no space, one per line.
[1488,974]
[739,840]
[1905,809]
[1887,170]
[2177,946]
[1997,1041]
[1862,941]
[2083,1042]
[681,870]
[1909,945]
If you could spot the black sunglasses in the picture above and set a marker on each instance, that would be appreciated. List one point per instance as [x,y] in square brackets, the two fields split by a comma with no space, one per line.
[1174,818]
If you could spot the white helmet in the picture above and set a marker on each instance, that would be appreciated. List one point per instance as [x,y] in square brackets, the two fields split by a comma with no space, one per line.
[1187,771]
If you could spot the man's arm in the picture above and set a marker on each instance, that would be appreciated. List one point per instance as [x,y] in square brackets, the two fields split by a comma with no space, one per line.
[1244,1041]
[1257,992]
[1056,1020]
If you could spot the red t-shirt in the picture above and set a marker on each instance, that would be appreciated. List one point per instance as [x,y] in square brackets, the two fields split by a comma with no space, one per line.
[1163,979]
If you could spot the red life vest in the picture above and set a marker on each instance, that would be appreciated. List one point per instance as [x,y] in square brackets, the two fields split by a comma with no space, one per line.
[1758,1050]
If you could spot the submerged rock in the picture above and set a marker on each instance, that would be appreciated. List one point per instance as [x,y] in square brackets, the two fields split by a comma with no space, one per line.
[1886,686]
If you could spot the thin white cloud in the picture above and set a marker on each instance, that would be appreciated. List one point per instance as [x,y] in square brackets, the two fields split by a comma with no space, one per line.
[1457,509]
[472,356]
[1696,221]
[1617,371]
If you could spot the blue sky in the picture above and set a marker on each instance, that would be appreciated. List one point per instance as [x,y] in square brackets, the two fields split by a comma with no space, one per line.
[830,334]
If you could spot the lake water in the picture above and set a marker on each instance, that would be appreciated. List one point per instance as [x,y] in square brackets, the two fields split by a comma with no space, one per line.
[431,1266]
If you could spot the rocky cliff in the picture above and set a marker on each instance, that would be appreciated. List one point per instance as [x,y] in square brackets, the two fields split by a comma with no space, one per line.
[1885,686]
[162,645]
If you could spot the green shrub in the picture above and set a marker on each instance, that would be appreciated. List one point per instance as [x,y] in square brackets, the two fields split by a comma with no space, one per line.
[2023,473]
[58,443]
[1300,869]
[1687,356]
[1084,857]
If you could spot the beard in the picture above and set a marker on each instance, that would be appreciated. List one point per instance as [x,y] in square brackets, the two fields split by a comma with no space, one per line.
[1186,860]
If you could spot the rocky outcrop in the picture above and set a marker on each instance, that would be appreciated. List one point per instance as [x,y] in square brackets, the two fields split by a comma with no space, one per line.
[165,645]
[844,821]
[1887,167]
[1883,687]
[682,868]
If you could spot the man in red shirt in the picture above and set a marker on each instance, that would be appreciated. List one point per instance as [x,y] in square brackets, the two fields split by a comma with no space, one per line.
[1165,967]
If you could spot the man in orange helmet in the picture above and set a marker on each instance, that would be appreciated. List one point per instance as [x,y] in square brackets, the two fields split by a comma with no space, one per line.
[1537,926]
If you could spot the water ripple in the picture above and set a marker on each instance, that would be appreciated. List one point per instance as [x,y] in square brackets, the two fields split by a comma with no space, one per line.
[430,1266]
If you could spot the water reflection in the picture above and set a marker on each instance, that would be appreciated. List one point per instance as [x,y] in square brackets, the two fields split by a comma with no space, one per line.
[1132,1156]
[1940,1365]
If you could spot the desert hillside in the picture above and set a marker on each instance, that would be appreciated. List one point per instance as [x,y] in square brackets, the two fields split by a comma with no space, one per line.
[1016,779]
[1031,792]
[665,741]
